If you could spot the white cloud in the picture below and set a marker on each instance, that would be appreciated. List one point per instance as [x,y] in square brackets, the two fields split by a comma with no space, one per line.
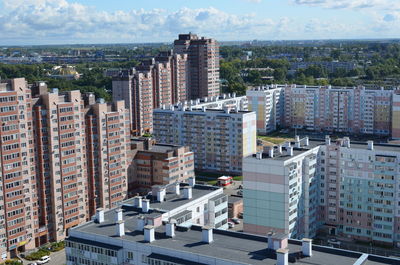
[60,21]
[351,4]
[253,1]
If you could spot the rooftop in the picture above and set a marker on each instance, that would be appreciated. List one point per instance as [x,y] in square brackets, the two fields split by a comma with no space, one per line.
[312,143]
[233,246]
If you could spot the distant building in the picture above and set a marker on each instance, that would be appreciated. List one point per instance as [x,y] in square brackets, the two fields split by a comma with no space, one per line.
[156,81]
[158,164]
[331,67]
[268,103]
[347,189]
[203,60]
[219,138]
[324,108]
[67,72]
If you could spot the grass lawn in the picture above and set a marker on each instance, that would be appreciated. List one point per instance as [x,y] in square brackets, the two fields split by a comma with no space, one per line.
[274,140]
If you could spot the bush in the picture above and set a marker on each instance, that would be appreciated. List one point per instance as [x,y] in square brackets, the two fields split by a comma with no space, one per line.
[12,262]
[38,254]
[57,246]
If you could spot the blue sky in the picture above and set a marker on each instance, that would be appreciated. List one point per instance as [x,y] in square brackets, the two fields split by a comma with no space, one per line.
[127,21]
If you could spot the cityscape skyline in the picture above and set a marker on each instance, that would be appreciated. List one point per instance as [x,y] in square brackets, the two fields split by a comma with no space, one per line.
[86,21]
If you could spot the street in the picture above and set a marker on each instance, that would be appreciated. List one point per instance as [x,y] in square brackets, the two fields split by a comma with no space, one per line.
[57,258]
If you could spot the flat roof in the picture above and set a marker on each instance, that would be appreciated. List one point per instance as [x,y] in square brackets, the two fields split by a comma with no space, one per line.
[317,142]
[233,246]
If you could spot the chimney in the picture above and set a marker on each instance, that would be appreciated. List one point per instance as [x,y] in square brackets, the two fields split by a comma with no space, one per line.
[120,227]
[271,152]
[346,142]
[177,188]
[370,145]
[290,151]
[306,141]
[187,193]
[207,234]
[140,223]
[149,233]
[259,155]
[161,194]
[137,202]
[282,256]
[118,215]
[192,181]
[306,247]
[146,205]
[170,228]
[100,215]
[327,140]
[270,237]
[297,143]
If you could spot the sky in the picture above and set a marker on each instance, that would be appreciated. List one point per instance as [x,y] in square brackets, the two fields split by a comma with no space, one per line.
[27,22]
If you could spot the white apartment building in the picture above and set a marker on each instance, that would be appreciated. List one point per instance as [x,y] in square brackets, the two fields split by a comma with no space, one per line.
[219,138]
[268,103]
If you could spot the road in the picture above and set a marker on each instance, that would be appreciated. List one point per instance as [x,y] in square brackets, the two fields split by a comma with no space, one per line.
[57,258]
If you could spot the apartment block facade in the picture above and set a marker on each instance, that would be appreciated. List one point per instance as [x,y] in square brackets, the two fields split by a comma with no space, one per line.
[268,103]
[158,164]
[51,162]
[347,189]
[157,81]
[60,133]
[107,138]
[19,205]
[203,60]
[219,138]
[333,109]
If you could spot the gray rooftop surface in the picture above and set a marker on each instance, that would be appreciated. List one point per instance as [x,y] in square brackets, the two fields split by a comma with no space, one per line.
[316,142]
[240,247]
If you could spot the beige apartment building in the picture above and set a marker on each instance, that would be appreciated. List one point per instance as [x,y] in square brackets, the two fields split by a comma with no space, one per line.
[158,164]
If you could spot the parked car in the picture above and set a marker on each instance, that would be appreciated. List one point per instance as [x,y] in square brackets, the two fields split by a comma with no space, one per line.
[240,215]
[231,225]
[43,260]
[236,220]
[334,242]
[240,192]
[240,187]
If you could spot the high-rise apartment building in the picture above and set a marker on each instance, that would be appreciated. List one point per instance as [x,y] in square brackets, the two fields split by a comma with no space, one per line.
[219,138]
[203,59]
[107,137]
[19,229]
[268,103]
[347,189]
[280,191]
[333,109]
[59,126]
[62,156]
[157,81]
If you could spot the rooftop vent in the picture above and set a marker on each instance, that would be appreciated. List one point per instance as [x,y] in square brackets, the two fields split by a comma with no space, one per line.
[187,193]
[207,234]
[120,227]
[149,233]
[100,215]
